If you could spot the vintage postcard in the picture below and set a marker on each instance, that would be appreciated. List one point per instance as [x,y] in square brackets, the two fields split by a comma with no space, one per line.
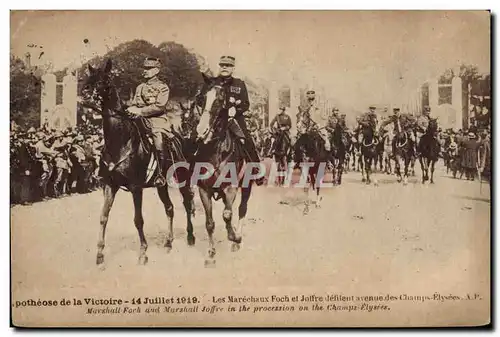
[250,168]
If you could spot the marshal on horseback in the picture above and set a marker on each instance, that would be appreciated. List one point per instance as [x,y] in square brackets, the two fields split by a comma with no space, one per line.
[224,145]
[128,158]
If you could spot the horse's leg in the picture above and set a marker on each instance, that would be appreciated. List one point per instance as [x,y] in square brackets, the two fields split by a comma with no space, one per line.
[139,224]
[228,199]
[397,164]
[169,211]
[242,212]
[314,182]
[407,161]
[368,169]
[361,163]
[187,200]
[422,167]
[432,170]
[206,200]
[109,198]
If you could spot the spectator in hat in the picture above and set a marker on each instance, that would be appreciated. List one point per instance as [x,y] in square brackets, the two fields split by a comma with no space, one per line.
[470,146]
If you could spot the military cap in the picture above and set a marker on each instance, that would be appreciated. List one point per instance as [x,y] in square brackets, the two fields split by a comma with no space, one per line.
[335,109]
[427,108]
[230,60]
[472,135]
[282,108]
[311,92]
[396,109]
[372,107]
[31,130]
[151,62]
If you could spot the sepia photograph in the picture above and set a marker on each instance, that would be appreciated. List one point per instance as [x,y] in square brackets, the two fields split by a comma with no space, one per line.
[272,168]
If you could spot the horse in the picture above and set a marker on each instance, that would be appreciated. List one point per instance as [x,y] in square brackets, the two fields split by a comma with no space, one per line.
[340,144]
[282,145]
[125,160]
[218,146]
[402,149]
[429,149]
[368,150]
[310,150]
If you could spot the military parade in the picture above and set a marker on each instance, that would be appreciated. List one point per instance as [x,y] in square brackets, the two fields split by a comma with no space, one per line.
[49,163]
[213,154]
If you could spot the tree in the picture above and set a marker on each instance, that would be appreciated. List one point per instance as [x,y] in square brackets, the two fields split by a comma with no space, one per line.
[25,91]
[179,67]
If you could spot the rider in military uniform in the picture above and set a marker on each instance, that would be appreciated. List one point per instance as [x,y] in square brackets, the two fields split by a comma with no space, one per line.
[372,115]
[280,123]
[333,120]
[150,101]
[422,125]
[305,121]
[402,123]
[238,102]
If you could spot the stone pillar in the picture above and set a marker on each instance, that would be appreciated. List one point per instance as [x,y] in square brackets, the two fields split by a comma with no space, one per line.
[48,98]
[69,97]
[294,104]
[433,94]
[456,102]
[273,100]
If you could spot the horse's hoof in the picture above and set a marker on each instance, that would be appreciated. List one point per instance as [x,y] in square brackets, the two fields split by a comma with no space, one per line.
[375,182]
[191,240]
[235,247]
[405,182]
[363,180]
[168,243]
[432,181]
[143,260]
[209,263]
[211,253]
[101,267]
[99,259]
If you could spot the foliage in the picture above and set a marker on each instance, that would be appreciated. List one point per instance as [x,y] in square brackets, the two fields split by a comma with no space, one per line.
[25,90]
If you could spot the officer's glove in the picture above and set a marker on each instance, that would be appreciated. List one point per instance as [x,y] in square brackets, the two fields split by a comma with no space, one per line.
[232,111]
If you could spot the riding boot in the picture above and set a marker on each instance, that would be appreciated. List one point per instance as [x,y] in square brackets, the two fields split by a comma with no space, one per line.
[160,180]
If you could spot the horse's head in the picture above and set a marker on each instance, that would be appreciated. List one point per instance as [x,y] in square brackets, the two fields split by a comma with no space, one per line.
[213,102]
[432,128]
[98,91]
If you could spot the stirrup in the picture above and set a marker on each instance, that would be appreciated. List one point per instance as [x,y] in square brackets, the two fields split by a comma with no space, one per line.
[160,181]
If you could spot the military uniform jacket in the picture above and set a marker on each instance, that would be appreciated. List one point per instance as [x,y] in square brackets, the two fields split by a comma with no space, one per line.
[423,123]
[282,120]
[152,97]
[236,94]
[401,123]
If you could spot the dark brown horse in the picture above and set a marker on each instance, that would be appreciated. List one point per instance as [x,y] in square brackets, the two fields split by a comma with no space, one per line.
[368,149]
[281,152]
[403,153]
[310,153]
[222,150]
[429,149]
[125,158]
